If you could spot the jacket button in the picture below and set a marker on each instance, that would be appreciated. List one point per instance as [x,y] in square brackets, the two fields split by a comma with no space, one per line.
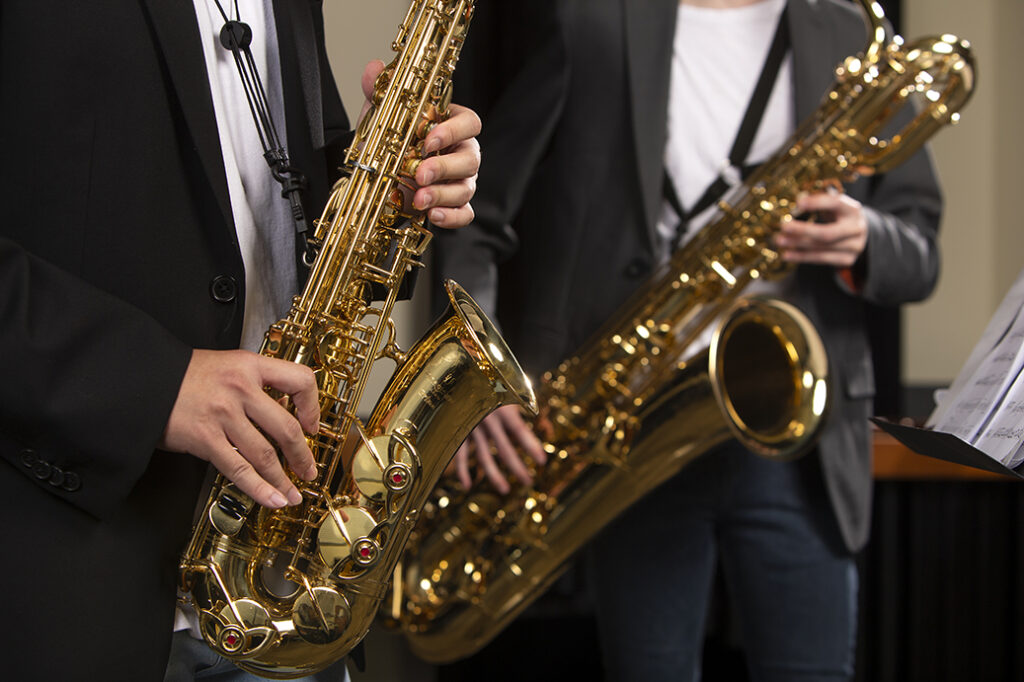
[28,458]
[42,470]
[636,268]
[223,289]
[72,481]
[56,477]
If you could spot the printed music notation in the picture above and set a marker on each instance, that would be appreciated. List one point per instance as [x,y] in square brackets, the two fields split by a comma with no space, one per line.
[984,407]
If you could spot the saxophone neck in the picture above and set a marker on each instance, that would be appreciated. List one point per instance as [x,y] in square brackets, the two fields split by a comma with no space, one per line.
[878,31]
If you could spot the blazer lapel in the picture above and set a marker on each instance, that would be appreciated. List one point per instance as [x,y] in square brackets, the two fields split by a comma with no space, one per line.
[813,44]
[649,30]
[178,33]
[300,63]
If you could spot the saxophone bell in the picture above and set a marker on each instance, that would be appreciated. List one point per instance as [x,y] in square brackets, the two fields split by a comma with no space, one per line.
[284,620]
[768,370]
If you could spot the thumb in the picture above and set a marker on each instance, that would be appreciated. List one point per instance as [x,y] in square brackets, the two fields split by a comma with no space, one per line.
[370,74]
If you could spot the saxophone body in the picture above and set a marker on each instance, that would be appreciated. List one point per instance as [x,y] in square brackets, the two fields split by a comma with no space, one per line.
[610,415]
[286,592]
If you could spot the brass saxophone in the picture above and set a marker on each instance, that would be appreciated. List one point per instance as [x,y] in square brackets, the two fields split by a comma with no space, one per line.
[609,414]
[286,592]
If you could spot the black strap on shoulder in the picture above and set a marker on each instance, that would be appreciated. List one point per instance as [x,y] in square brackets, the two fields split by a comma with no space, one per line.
[744,137]
[236,37]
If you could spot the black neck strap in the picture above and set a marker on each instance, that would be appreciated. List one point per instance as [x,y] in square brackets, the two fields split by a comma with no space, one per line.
[236,36]
[737,171]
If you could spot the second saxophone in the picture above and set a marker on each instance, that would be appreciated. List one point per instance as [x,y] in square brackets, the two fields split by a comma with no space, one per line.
[633,406]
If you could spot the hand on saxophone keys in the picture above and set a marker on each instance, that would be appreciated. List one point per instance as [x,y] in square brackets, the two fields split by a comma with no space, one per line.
[222,413]
[447,178]
[838,241]
[506,434]
[448,181]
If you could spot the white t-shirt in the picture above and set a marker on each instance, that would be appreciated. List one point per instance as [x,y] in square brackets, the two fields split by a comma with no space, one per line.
[716,60]
[717,57]
[266,233]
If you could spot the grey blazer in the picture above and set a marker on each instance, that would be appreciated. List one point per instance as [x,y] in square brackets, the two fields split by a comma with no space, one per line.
[571,184]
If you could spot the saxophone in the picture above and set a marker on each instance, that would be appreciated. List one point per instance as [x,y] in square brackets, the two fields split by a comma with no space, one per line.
[286,592]
[609,414]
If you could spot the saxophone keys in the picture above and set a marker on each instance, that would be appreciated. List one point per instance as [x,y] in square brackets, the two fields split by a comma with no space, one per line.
[321,615]
[434,113]
[398,477]
[408,169]
[241,627]
[344,535]
[231,639]
[228,513]
[365,552]
[444,100]
[333,348]
[377,474]
[396,198]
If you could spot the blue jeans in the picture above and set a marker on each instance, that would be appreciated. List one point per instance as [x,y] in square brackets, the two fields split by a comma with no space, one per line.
[790,580]
[191,659]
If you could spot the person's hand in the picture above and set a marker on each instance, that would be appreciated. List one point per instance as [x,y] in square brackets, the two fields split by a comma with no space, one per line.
[837,240]
[505,430]
[447,180]
[222,408]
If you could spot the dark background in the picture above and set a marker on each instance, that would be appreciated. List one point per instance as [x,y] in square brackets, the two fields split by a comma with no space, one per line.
[942,594]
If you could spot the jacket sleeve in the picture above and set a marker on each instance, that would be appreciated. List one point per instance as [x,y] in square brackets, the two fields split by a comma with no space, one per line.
[903,207]
[89,382]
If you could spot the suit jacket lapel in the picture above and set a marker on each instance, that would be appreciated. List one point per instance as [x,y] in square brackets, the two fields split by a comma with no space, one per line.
[300,63]
[649,30]
[813,44]
[178,33]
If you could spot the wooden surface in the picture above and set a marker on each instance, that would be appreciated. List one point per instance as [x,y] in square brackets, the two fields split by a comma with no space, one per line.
[894,461]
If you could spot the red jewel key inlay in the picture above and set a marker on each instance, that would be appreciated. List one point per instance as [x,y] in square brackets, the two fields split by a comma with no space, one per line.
[231,640]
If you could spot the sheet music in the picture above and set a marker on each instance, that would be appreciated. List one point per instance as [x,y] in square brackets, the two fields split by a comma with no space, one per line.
[985,405]
[969,409]
[1002,437]
[994,331]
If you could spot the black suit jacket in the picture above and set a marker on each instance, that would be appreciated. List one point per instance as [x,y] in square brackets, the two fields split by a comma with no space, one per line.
[571,185]
[115,227]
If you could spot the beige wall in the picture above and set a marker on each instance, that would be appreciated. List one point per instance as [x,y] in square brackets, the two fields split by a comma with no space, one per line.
[982,237]
[358,31]
[1003,80]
